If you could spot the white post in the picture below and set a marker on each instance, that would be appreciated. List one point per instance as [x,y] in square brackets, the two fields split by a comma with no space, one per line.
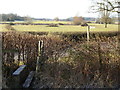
[88,34]
[39,48]
[40,56]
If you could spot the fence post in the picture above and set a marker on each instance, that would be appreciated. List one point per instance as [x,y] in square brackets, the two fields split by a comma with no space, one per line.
[40,57]
[88,34]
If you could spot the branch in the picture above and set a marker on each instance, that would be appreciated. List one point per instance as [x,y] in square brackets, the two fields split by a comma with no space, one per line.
[111,4]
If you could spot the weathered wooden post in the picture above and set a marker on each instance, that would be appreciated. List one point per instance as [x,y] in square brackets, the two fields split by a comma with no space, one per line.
[88,34]
[40,57]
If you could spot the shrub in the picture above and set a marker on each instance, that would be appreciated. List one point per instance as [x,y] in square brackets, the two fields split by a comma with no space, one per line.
[77,20]
[84,24]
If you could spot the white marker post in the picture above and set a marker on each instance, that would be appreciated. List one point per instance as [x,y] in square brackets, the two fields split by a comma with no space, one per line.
[40,55]
[88,34]
[38,58]
[39,45]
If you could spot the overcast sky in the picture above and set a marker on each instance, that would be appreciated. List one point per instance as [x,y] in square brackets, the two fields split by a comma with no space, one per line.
[47,8]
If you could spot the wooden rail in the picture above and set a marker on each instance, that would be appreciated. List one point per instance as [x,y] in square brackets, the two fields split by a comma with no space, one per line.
[22,78]
[29,79]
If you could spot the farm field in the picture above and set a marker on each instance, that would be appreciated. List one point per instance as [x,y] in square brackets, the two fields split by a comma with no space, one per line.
[39,21]
[62,28]
[64,22]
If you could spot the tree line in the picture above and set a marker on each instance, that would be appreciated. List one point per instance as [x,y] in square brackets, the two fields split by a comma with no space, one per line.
[12,17]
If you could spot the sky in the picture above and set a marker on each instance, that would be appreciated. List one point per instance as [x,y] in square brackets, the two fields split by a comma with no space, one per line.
[47,8]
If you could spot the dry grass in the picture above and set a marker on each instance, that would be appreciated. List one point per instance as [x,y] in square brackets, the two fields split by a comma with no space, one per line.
[68,64]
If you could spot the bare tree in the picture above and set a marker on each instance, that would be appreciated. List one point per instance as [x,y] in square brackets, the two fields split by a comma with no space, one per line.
[56,19]
[28,19]
[78,20]
[105,18]
[105,7]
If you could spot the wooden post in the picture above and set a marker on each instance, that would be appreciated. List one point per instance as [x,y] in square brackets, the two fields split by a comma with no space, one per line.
[39,44]
[88,33]
[88,36]
[40,56]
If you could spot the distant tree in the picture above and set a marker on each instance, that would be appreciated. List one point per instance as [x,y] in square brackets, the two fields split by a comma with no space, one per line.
[28,19]
[11,17]
[103,20]
[56,19]
[105,7]
[106,19]
[78,20]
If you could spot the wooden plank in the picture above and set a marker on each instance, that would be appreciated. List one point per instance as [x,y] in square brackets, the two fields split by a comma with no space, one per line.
[19,70]
[29,80]
[19,76]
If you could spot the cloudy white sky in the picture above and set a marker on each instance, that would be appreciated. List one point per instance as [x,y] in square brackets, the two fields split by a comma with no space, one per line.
[47,8]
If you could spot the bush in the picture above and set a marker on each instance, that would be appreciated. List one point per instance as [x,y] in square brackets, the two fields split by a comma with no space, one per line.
[12,24]
[61,24]
[77,20]
[84,24]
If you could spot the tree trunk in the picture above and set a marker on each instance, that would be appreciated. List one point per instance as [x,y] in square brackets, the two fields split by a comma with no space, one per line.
[105,25]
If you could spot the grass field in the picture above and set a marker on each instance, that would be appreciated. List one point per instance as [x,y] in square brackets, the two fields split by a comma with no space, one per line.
[64,22]
[62,28]
[39,21]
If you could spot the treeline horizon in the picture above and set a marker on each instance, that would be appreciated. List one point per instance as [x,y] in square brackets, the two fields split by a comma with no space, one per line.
[15,17]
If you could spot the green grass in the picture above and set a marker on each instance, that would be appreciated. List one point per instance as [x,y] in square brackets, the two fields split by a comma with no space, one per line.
[64,22]
[44,28]
[2,28]
[39,21]
[62,28]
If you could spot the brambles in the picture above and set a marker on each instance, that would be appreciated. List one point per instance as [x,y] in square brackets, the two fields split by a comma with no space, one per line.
[25,46]
[69,63]
[79,66]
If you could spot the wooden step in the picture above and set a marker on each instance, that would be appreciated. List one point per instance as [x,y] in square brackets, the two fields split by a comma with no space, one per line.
[29,79]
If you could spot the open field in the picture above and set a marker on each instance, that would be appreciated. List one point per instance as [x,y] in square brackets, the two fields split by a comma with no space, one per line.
[62,28]
[64,22]
[39,21]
